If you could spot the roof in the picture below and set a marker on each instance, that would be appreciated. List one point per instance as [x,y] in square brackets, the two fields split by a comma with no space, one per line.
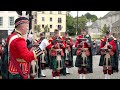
[110,14]
[116,24]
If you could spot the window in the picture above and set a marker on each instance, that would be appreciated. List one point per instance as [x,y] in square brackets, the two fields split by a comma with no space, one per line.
[1,21]
[59,12]
[59,27]
[43,12]
[50,19]
[59,20]
[42,25]
[43,19]
[11,21]
[50,26]
[50,12]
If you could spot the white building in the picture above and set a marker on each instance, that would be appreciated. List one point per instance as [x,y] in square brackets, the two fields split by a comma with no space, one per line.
[7,19]
[109,19]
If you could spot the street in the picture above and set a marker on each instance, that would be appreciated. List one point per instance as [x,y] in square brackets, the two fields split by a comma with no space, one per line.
[97,72]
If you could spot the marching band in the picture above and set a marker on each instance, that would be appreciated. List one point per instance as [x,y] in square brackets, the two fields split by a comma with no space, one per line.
[29,59]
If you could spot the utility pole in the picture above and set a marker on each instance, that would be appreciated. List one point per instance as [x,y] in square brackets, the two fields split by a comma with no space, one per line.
[77,23]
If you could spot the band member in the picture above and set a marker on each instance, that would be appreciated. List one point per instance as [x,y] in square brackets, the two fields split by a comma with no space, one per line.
[108,60]
[19,55]
[57,55]
[0,51]
[84,54]
[43,58]
[68,52]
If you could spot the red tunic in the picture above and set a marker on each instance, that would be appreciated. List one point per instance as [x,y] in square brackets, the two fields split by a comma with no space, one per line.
[71,43]
[19,56]
[77,42]
[53,52]
[112,43]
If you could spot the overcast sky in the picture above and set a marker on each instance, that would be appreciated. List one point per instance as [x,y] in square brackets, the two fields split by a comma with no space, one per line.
[97,13]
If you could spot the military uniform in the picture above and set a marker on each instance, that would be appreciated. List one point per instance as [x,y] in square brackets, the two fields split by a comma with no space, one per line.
[84,55]
[43,62]
[68,53]
[19,55]
[109,47]
[54,64]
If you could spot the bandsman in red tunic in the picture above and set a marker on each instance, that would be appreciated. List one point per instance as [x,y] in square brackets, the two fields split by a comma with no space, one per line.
[68,52]
[19,55]
[84,54]
[108,48]
[57,62]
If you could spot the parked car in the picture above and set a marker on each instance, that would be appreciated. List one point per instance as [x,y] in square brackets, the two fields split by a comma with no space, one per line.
[98,47]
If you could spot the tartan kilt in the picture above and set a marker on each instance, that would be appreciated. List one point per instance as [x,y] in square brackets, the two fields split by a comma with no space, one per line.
[53,63]
[17,76]
[78,63]
[70,60]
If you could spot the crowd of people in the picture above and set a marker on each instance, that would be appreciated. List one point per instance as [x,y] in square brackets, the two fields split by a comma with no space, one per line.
[28,58]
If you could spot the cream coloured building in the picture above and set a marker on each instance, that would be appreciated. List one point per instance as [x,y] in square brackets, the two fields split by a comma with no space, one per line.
[52,19]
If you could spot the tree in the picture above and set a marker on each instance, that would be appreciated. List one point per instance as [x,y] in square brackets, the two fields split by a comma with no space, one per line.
[46,29]
[37,28]
[104,29]
[91,17]
[81,23]
[70,24]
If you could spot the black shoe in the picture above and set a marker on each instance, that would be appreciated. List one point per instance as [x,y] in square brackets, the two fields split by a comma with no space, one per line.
[67,73]
[43,76]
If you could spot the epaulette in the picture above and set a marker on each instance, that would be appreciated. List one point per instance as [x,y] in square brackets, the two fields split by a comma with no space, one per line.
[19,35]
[113,37]
[60,36]
[77,37]
[50,39]
[102,39]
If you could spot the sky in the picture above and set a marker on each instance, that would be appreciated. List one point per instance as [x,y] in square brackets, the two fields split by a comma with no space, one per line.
[97,13]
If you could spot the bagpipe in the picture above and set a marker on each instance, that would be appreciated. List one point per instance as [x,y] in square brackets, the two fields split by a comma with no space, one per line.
[68,48]
[58,52]
[106,50]
[34,70]
[84,52]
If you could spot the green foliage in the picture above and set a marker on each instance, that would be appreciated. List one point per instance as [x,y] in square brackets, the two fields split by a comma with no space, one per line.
[104,29]
[37,28]
[71,23]
[46,29]
[91,17]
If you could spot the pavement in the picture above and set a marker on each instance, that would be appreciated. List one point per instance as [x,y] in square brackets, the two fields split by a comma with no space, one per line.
[97,72]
